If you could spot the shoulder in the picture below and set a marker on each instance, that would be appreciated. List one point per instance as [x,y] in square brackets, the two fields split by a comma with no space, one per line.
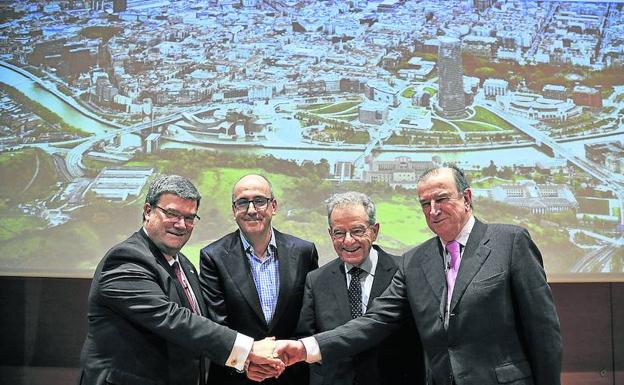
[387,258]
[220,245]
[283,237]
[416,251]
[324,271]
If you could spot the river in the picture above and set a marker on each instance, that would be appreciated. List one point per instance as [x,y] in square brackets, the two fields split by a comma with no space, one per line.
[287,130]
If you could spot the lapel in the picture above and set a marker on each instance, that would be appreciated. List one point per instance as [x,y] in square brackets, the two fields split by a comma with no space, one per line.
[287,274]
[162,261]
[383,274]
[432,264]
[238,266]
[475,254]
[337,285]
[191,275]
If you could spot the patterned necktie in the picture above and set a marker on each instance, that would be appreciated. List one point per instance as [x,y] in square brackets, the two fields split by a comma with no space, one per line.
[453,266]
[185,285]
[355,292]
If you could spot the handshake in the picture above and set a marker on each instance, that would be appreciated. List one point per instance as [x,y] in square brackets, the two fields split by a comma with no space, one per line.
[268,357]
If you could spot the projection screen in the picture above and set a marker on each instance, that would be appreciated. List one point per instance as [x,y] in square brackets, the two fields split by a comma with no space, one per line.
[98,97]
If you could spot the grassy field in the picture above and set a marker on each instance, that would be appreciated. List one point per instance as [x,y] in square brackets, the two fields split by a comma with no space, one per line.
[334,108]
[408,92]
[440,126]
[472,126]
[483,115]
[28,181]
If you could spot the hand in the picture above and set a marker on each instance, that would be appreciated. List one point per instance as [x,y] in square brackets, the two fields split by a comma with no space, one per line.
[262,361]
[290,352]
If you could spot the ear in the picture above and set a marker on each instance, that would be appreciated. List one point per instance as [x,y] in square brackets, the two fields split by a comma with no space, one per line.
[274,205]
[468,197]
[147,210]
[374,231]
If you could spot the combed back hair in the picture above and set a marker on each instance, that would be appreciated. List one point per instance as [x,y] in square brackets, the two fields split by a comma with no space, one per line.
[258,175]
[351,198]
[171,184]
[461,182]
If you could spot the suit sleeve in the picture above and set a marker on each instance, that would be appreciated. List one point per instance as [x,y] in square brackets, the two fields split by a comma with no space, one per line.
[212,289]
[387,314]
[314,258]
[307,316]
[536,311]
[130,287]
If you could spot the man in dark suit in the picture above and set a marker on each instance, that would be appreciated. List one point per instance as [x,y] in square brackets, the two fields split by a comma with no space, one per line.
[484,310]
[145,308]
[330,296]
[252,279]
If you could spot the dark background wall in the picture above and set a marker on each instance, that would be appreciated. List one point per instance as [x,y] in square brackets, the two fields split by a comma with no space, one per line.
[43,323]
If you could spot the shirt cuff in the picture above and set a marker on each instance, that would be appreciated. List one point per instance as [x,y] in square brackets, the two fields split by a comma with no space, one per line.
[240,352]
[313,351]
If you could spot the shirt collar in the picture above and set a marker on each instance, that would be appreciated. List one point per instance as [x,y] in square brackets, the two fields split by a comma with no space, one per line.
[247,245]
[173,260]
[463,235]
[369,265]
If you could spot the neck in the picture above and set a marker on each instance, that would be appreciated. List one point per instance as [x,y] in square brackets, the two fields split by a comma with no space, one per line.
[259,243]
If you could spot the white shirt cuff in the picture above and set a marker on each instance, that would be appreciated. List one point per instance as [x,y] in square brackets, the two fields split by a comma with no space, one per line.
[313,351]
[240,352]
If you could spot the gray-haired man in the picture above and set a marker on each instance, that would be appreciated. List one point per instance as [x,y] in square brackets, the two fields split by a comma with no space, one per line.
[343,289]
[145,311]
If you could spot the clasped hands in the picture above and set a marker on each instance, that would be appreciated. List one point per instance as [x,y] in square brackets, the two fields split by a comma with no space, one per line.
[269,358]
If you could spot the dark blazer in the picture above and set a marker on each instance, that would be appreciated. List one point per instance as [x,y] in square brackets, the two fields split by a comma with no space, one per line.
[230,293]
[141,330]
[397,360]
[503,325]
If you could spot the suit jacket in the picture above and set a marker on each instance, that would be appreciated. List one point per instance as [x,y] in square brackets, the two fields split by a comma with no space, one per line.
[141,329]
[397,360]
[230,293]
[503,325]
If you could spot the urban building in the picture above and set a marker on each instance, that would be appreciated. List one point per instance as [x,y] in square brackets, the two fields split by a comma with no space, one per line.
[451,98]
[401,171]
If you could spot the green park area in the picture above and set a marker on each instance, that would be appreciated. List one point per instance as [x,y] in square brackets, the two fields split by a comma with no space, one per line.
[333,108]
[77,245]
[32,175]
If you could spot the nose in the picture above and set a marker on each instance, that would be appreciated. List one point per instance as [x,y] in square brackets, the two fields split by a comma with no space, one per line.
[251,208]
[349,238]
[433,209]
[180,223]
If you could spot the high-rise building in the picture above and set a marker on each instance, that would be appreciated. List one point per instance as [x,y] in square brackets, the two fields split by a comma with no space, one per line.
[451,99]
[120,6]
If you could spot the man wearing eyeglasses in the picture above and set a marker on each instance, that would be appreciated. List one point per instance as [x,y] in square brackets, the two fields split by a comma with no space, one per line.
[477,292]
[146,316]
[252,279]
[344,288]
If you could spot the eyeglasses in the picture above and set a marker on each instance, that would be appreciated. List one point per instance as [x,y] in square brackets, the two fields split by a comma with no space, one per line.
[357,233]
[171,215]
[439,201]
[260,203]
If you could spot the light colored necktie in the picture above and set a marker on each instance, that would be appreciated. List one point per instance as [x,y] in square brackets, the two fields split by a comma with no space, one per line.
[451,273]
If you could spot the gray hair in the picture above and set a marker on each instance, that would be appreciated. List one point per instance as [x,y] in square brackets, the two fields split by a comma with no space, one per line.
[171,184]
[461,181]
[351,198]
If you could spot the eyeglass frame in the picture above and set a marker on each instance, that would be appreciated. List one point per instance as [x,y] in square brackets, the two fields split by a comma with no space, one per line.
[440,200]
[341,237]
[189,220]
[252,201]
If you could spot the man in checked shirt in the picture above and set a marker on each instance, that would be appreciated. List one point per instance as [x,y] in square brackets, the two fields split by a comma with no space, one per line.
[253,279]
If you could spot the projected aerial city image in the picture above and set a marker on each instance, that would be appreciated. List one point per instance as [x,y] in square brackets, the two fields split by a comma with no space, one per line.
[97,97]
